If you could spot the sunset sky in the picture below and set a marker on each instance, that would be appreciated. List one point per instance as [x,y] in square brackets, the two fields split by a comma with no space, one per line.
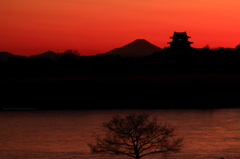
[31,27]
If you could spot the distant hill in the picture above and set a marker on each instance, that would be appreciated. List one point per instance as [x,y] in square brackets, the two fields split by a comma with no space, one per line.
[137,48]
[4,56]
[48,54]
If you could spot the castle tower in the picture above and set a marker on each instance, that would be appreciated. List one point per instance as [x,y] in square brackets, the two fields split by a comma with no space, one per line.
[180,40]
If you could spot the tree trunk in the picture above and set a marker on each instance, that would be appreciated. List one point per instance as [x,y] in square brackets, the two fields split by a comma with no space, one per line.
[136,152]
[137,156]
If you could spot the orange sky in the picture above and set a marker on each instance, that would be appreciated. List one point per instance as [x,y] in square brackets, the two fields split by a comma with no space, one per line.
[96,26]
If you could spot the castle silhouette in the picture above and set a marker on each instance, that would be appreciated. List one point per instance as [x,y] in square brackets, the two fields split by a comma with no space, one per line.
[180,40]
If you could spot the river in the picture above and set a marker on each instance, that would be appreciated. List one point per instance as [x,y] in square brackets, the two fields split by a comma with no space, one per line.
[208,133]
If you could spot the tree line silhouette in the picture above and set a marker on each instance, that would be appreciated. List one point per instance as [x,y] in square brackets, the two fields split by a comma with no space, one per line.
[168,60]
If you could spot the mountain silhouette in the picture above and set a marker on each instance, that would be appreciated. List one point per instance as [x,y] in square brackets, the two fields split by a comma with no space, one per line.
[137,48]
[4,56]
[48,54]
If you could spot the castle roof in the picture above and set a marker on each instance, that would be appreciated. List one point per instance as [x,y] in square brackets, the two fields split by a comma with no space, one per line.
[179,35]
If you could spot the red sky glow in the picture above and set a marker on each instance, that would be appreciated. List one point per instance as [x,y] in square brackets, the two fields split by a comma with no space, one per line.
[31,27]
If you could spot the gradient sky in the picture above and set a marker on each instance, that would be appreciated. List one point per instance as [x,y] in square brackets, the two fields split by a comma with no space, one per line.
[96,26]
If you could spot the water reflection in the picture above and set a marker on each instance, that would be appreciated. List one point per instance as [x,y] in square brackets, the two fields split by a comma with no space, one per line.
[212,133]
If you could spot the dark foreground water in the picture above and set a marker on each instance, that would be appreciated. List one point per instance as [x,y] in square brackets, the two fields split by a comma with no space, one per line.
[64,134]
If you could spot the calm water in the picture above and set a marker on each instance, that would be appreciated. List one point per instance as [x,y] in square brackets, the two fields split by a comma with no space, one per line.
[65,134]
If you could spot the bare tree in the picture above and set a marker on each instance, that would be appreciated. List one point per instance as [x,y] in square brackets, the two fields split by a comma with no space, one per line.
[136,136]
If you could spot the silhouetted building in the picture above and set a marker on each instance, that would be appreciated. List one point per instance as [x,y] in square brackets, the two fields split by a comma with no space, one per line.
[180,40]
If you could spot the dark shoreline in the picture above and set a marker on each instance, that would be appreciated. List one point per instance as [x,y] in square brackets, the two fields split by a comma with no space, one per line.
[169,79]
[166,91]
